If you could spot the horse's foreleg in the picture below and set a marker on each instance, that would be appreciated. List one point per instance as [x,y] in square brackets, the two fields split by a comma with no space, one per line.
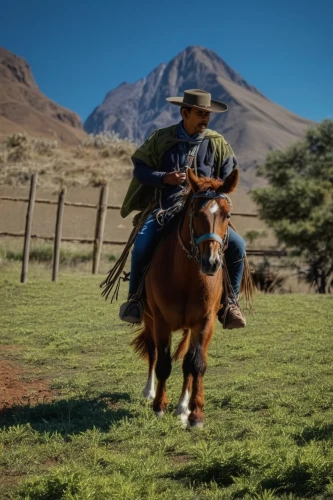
[149,389]
[182,410]
[195,364]
[162,337]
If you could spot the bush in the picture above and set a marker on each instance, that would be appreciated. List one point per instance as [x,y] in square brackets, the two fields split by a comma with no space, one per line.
[44,147]
[298,202]
[266,280]
[44,253]
[16,140]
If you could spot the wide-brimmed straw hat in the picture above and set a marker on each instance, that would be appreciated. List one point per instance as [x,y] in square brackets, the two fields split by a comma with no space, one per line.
[197,98]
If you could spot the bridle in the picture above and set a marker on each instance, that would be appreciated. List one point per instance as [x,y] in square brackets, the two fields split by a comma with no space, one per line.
[193,252]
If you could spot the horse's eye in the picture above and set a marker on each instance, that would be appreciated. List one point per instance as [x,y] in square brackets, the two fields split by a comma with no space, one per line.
[229,216]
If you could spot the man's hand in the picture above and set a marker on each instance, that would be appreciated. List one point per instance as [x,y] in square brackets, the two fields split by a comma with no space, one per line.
[174,178]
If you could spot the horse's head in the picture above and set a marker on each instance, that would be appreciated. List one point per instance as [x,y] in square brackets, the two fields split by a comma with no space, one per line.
[210,209]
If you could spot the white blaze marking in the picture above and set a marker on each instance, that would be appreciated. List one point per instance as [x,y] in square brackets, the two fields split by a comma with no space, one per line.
[149,390]
[214,255]
[214,208]
[212,259]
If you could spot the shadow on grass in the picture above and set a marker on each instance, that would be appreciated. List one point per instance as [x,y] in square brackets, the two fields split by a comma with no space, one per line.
[70,416]
[314,433]
[299,480]
[217,472]
[222,472]
[296,480]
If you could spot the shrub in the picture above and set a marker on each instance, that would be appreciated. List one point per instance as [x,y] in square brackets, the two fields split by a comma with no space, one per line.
[16,140]
[44,253]
[266,280]
[44,147]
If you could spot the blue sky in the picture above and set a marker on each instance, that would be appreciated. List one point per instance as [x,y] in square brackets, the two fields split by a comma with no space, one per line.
[79,50]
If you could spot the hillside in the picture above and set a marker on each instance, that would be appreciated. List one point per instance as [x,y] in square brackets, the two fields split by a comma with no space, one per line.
[24,108]
[94,160]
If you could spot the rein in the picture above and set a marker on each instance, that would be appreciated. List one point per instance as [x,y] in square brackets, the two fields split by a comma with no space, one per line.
[194,253]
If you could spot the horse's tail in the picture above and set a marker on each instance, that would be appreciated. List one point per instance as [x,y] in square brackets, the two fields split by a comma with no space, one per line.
[143,342]
[182,346]
[247,285]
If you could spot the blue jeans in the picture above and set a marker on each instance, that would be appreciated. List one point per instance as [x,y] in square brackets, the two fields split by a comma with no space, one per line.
[150,236]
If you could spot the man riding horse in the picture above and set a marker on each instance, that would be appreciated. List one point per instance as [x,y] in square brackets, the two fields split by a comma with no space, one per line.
[159,174]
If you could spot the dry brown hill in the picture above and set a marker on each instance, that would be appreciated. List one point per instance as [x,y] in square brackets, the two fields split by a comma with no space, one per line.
[24,108]
[95,160]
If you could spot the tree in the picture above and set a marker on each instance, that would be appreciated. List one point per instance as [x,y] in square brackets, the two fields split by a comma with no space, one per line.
[298,203]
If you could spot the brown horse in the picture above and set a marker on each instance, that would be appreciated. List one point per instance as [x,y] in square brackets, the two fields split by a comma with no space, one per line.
[184,289]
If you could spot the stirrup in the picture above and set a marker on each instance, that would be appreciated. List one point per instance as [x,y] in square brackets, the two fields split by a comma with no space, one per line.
[125,313]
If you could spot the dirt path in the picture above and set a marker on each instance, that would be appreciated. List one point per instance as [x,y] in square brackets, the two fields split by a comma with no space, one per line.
[20,387]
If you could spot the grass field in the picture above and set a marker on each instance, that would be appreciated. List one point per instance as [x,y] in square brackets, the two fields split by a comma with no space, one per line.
[87,434]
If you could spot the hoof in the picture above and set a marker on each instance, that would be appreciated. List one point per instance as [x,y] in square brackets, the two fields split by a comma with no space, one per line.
[183,420]
[159,413]
[148,395]
[195,420]
[179,412]
[182,416]
[194,424]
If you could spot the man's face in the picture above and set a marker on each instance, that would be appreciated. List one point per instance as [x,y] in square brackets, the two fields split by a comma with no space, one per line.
[195,120]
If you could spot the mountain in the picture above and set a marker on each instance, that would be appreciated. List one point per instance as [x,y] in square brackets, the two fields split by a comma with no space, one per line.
[23,107]
[253,125]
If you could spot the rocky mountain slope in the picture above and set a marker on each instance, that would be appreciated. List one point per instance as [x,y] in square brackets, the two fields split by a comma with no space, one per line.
[24,108]
[253,124]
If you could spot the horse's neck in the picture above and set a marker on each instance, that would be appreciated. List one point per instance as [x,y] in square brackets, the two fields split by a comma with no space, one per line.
[185,229]
[180,274]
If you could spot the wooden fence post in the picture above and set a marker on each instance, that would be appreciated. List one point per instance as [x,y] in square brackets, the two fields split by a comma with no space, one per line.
[28,227]
[57,235]
[99,229]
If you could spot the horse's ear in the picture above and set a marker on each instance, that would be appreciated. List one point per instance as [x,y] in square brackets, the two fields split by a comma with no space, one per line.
[230,182]
[192,179]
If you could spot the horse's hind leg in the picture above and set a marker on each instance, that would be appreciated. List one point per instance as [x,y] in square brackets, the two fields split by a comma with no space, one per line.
[149,389]
[162,337]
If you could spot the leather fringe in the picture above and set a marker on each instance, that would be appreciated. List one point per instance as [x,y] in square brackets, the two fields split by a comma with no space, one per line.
[113,279]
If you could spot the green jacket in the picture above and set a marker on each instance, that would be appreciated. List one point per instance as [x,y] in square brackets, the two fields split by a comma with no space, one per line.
[151,152]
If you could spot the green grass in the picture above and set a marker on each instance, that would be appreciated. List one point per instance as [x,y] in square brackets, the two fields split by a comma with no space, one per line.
[70,255]
[268,389]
